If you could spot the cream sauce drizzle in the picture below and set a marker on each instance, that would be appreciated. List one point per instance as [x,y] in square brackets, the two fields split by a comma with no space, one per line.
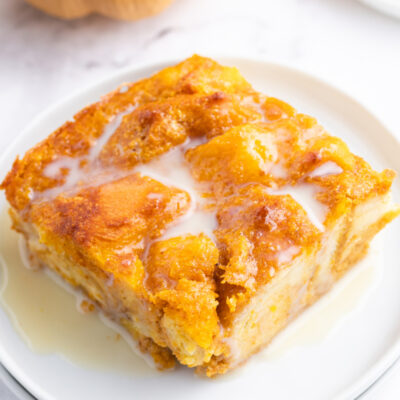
[284,256]
[323,318]
[278,171]
[304,194]
[108,131]
[77,174]
[49,320]
[326,169]
[171,169]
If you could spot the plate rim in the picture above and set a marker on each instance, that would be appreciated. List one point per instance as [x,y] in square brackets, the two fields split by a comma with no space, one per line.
[14,385]
[387,7]
[386,360]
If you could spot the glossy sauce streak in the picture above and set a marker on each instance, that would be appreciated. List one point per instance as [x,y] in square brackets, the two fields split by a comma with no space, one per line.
[47,317]
[304,194]
[328,168]
[171,169]
[76,174]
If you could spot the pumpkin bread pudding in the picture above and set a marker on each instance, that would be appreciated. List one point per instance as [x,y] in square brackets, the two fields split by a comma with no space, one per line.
[201,215]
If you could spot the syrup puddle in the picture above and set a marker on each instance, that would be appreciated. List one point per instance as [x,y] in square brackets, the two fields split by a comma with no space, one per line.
[319,322]
[47,318]
[46,315]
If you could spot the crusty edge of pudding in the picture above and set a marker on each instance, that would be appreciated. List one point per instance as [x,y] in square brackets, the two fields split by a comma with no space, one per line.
[142,319]
[300,284]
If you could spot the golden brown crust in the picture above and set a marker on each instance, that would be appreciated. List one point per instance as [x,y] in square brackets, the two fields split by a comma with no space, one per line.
[109,224]
[254,228]
[111,220]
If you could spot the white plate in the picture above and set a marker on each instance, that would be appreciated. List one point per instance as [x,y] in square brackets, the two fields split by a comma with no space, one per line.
[389,7]
[13,385]
[340,367]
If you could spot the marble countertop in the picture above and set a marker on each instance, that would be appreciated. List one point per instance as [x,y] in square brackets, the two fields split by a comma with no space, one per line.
[43,59]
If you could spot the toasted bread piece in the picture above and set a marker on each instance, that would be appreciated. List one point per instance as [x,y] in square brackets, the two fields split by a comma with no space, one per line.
[201,215]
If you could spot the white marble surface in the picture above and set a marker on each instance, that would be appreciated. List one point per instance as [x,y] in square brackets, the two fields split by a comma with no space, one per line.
[43,59]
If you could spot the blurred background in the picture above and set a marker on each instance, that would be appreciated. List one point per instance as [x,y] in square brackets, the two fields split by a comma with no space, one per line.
[356,48]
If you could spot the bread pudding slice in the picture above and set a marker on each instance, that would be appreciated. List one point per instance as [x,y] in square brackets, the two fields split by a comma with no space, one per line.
[201,215]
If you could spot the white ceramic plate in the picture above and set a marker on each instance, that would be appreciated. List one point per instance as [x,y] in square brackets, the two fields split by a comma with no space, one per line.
[13,385]
[342,366]
[389,7]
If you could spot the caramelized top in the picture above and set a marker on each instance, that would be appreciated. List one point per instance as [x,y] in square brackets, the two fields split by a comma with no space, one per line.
[262,184]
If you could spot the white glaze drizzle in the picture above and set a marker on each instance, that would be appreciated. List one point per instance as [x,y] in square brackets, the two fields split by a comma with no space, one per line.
[278,171]
[73,177]
[76,174]
[328,168]
[304,194]
[108,131]
[171,169]
[284,256]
